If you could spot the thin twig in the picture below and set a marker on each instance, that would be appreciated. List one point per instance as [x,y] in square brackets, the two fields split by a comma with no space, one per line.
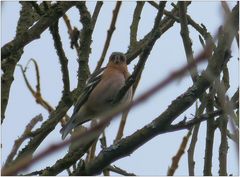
[119,171]
[201,29]
[191,149]
[228,11]
[96,12]
[135,22]
[36,94]
[22,138]
[180,152]
[109,34]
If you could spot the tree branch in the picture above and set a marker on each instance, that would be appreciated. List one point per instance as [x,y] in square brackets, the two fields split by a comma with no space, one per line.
[34,32]
[180,152]
[22,138]
[191,149]
[119,171]
[8,65]
[96,12]
[144,56]
[85,43]
[135,22]
[207,171]
[109,34]
[62,58]
[186,39]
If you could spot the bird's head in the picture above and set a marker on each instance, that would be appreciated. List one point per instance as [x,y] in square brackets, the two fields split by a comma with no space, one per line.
[118,58]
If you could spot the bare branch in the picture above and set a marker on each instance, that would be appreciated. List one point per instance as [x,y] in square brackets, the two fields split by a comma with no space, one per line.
[96,12]
[62,58]
[119,171]
[144,56]
[22,138]
[191,149]
[207,171]
[85,44]
[186,39]
[135,22]
[36,94]
[180,152]
[8,65]
[34,32]
[109,34]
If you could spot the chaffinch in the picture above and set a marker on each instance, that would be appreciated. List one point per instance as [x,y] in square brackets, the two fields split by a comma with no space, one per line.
[100,90]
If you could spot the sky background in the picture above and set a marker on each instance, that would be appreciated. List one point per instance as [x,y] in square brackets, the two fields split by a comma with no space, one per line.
[154,157]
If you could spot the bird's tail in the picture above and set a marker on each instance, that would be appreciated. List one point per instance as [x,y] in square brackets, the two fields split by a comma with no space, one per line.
[67,128]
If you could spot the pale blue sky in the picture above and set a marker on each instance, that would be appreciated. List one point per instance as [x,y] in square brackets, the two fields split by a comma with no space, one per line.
[168,54]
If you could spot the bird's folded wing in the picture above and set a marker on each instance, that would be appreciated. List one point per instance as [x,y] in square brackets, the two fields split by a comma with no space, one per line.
[91,83]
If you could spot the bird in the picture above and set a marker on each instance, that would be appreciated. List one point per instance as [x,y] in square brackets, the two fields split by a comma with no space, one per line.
[100,90]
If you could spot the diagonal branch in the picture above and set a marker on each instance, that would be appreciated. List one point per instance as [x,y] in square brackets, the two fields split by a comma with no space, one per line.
[109,34]
[180,152]
[144,56]
[36,94]
[135,22]
[22,138]
[96,12]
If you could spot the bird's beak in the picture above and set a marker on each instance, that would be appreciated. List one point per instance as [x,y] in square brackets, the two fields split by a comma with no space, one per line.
[117,60]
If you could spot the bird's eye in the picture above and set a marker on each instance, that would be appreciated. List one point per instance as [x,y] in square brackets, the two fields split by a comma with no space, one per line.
[112,58]
[122,58]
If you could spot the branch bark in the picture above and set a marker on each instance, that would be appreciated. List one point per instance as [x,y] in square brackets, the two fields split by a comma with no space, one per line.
[34,32]
[9,63]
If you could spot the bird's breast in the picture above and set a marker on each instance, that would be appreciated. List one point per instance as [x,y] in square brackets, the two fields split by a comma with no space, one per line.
[102,95]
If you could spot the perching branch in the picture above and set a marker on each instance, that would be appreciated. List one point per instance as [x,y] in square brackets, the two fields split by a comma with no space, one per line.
[109,34]
[144,55]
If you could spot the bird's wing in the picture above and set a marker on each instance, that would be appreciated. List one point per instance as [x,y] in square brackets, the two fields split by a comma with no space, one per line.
[91,83]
